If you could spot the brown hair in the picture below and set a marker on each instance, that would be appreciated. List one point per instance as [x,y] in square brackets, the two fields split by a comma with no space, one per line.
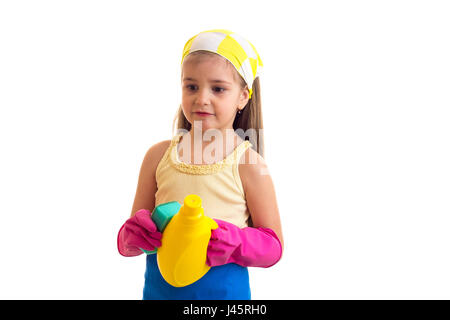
[247,124]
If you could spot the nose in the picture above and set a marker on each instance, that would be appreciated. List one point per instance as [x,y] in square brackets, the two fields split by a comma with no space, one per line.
[203,96]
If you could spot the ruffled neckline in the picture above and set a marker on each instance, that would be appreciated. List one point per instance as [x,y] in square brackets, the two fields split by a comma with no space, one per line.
[200,169]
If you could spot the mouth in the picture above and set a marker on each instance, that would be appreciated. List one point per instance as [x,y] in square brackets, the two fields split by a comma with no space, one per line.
[203,114]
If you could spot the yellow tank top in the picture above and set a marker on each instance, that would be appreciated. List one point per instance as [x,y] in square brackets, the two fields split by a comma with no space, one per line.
[218,184]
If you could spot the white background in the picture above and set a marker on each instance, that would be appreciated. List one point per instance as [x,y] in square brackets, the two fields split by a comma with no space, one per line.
[356,98]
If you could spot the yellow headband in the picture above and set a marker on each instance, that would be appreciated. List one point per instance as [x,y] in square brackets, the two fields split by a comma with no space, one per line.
[233,47]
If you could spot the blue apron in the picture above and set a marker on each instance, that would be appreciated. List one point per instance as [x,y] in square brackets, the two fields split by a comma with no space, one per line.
[227,282]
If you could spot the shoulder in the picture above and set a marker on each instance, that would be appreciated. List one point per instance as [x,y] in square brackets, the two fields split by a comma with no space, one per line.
[158,149]
[154,154]
[252,168]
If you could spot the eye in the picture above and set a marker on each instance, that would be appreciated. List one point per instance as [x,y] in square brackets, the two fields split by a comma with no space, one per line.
[216,89]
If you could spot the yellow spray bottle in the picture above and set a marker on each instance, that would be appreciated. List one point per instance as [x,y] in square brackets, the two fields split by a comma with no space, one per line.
[182,255]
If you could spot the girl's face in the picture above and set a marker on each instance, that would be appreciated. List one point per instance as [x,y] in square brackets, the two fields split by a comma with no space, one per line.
[210,92]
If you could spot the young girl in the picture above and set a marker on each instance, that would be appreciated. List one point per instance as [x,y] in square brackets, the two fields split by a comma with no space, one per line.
[211,157]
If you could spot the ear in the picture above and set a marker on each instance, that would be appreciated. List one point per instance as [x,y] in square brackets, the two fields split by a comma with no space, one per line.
[243,98]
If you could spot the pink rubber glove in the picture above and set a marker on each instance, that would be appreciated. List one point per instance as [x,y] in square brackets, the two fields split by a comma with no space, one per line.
[247,247]
[138,232]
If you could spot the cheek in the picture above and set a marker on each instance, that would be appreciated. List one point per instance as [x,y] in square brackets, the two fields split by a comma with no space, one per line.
[225,109]
[186,111]
[184,98]
[185,102]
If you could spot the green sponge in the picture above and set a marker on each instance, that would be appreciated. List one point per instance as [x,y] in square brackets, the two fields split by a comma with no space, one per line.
[162,215]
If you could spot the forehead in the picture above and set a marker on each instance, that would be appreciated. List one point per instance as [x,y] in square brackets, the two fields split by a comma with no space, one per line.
[210,64]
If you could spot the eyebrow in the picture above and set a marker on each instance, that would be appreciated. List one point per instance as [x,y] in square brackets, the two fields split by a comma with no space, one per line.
[216,81]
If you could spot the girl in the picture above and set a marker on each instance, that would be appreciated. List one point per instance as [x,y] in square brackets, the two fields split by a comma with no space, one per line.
[211,156]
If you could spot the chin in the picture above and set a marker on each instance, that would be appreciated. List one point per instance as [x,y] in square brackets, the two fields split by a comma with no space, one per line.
[205,124]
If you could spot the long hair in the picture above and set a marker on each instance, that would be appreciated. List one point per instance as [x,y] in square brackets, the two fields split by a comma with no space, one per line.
[248,124]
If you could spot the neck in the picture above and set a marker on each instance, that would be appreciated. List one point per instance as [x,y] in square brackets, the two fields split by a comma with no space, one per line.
[209,146]
[206,137]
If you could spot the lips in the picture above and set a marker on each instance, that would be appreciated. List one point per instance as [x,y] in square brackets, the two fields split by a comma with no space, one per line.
[203,113]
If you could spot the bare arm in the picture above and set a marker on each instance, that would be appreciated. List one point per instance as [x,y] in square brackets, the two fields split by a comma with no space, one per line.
[146,187]
[260,194]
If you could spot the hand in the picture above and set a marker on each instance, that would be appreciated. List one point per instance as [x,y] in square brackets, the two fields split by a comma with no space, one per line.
[248,247]
[138,232]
